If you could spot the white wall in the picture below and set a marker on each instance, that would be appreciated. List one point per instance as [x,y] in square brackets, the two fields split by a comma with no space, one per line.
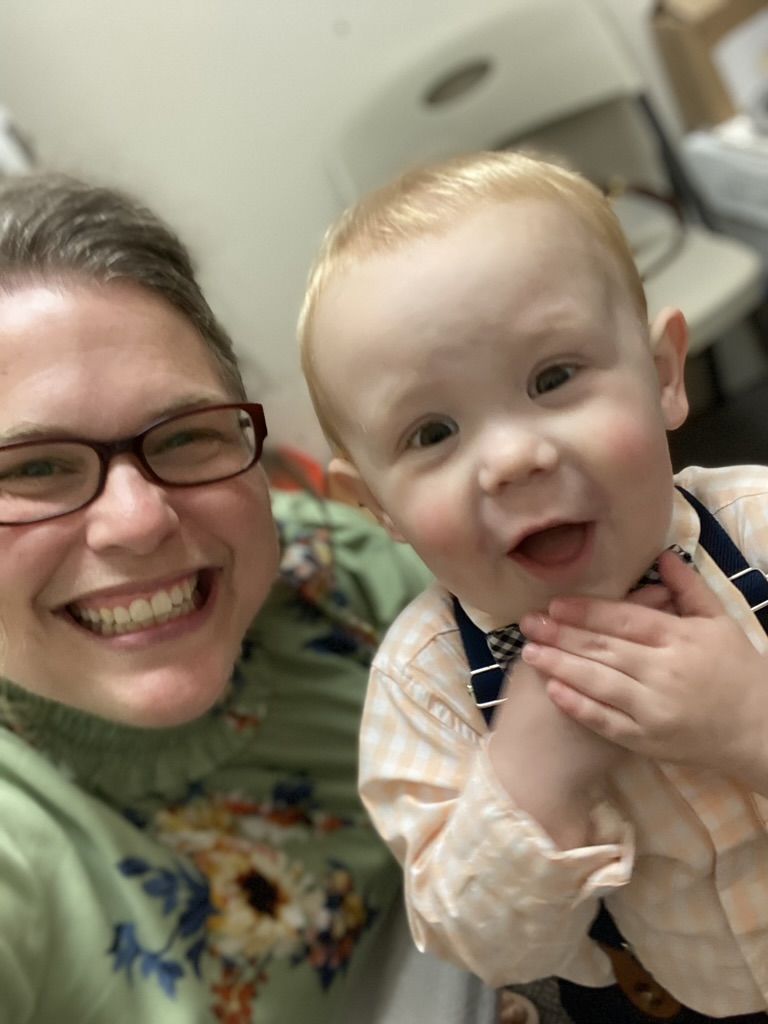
[218,112]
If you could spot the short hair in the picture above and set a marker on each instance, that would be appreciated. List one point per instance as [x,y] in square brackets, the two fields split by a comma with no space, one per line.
[58,229]
[430,199]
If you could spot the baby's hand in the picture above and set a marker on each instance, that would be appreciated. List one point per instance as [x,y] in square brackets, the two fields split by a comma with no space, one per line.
[552,766]
[687,687]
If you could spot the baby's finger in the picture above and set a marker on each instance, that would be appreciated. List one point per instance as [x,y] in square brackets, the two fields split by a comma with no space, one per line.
[611,723]
[598,680]
[691,594]
[553,637]
[657,596]
[632,621]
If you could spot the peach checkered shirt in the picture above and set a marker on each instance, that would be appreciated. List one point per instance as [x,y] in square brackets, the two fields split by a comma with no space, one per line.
[682,855]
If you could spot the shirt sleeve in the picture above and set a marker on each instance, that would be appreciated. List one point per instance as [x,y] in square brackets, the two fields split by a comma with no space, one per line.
[485,885]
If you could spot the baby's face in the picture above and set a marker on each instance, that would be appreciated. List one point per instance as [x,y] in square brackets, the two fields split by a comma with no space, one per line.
[503,409]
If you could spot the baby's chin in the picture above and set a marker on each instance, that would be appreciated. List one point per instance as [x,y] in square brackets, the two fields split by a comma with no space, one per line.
[608,590]
[489,617]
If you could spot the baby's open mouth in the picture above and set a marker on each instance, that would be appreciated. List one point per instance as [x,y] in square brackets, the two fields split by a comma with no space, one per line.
[556,545]
[110,617]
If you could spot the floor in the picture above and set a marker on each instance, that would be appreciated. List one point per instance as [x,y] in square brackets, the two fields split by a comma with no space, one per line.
[732,433]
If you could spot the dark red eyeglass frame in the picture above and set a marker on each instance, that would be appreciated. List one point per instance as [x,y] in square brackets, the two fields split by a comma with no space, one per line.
[108,450]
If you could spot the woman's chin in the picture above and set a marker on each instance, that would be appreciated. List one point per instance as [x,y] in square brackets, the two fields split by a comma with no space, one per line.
[165,707]
[160,700]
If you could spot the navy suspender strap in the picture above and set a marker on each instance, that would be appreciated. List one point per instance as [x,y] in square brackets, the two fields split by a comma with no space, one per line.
[485,676]
[716,542]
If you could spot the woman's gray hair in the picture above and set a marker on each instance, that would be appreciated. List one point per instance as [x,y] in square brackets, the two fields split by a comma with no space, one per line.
[55,228]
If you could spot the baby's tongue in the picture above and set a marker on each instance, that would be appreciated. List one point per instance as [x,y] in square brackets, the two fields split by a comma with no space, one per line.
[558,544]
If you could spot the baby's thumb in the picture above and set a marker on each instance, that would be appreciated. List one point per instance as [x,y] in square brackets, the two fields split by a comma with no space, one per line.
[690,594]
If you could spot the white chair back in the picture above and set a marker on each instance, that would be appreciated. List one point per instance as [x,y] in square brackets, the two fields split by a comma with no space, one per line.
[490,78]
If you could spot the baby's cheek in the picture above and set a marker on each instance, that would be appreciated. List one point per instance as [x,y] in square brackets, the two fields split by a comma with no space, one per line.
[637,471]
[438,529]
[628,443]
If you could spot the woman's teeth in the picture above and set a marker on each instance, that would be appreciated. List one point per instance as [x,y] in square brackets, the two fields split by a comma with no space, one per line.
[142,613]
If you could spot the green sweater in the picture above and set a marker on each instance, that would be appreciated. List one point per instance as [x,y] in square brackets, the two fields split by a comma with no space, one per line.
[221,871]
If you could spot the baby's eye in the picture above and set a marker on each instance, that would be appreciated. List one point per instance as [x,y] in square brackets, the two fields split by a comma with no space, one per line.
[432,433]
[552,378]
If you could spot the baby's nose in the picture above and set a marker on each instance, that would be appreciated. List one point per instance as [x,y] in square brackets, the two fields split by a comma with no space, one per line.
[514,457]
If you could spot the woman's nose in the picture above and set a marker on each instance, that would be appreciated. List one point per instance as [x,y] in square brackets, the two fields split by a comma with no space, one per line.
[132,512]
[514,457]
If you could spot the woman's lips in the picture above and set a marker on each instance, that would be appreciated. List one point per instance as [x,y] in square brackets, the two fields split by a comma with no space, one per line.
[556,552]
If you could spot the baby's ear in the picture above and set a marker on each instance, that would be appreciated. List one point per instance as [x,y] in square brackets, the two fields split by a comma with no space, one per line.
[669,345]
[346,484]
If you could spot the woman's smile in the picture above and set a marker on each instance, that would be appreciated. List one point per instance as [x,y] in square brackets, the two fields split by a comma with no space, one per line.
[142,609]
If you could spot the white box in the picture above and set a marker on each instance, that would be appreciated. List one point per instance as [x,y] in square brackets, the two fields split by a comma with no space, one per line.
[729,164]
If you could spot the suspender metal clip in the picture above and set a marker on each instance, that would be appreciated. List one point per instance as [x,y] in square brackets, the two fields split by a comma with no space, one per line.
[745,572]
[470,686]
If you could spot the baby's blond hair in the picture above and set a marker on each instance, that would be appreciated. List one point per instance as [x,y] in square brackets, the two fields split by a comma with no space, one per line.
[430,199]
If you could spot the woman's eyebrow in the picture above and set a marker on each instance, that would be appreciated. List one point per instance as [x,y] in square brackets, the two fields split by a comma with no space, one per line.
[24,433]
[41,432]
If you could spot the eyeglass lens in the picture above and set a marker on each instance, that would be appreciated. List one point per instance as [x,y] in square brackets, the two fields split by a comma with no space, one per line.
[46,479]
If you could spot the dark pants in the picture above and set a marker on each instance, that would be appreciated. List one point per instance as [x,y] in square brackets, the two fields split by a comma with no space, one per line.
[610,1006]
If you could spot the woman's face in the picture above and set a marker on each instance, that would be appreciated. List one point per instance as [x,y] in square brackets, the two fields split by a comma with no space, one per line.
[102,363]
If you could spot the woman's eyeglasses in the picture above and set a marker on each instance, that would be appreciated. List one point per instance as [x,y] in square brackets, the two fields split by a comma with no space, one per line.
[44,479]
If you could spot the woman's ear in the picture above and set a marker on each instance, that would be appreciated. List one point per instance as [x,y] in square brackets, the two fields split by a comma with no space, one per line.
[669,345]
[345,484]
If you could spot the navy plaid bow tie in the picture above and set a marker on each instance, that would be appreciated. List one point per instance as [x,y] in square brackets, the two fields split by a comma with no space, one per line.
[506,643]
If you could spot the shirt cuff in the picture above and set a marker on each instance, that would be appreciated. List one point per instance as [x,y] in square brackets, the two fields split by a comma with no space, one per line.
[537,864]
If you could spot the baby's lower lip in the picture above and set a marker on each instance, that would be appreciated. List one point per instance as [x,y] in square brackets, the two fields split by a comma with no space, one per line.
[557,552]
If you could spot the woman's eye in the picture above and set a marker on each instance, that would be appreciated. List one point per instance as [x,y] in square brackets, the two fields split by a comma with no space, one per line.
[430,434]
[178,440]
[185,441]
[552,378]
[33,470]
